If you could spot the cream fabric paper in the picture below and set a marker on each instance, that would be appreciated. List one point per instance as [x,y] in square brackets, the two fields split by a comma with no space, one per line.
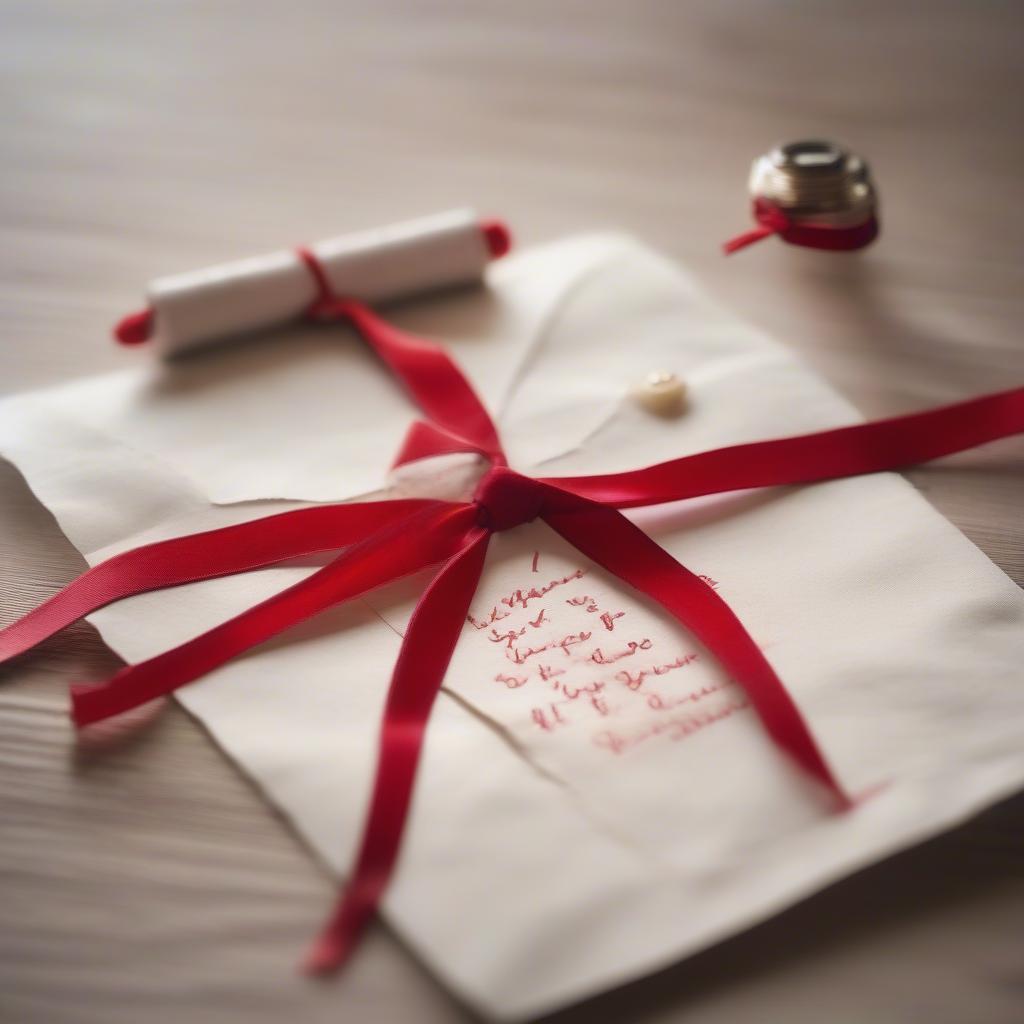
[596,799]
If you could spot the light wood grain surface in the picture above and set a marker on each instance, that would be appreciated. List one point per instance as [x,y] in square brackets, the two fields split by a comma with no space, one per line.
[141,880]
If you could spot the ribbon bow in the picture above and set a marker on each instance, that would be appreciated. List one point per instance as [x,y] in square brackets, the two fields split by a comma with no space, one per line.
[381,541]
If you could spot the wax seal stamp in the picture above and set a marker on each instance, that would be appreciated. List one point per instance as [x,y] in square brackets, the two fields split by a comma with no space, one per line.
[812,193]
[662,393]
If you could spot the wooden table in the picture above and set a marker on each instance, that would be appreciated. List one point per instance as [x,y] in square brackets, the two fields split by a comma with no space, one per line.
[141,879]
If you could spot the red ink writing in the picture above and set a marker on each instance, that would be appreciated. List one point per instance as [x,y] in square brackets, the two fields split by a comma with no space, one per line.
[520,656]
[509,638]
[547,673]
[512,682]
[631,648]
[658,703]
[585,688]
[493,616]
[675,727]
[573,692]
[549,720]
[609,619]
[520,598]
[634,679]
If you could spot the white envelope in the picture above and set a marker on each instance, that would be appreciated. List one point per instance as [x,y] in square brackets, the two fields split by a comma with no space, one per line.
[579,826]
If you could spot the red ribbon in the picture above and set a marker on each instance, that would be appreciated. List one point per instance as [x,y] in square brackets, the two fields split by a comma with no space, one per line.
[773,220]
[383,541]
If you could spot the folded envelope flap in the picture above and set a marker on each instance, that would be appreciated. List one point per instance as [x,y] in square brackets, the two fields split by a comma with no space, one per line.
[554,346]
[308,412]
[638,314]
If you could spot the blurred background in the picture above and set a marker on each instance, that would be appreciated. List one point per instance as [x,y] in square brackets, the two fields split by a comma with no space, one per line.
[143,138]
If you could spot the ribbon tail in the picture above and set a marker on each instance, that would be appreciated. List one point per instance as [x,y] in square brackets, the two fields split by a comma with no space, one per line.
[771,220]
[406,546]
[430,375]
[422,662]
[893,443]
[425,440]
[608,538]
[202,556]
[748,238]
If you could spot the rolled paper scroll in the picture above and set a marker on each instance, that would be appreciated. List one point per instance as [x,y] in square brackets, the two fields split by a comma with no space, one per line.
[191,309]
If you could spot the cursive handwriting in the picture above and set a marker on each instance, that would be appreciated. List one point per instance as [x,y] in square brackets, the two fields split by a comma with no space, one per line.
[608,619]
[586,688]
[549,720]
[547,673]
[492,616]
[676,727]
[537,622]
[634,679]
[600,658]
[658,703]
[512,682]
[521,598]
[520,657]
[509,638]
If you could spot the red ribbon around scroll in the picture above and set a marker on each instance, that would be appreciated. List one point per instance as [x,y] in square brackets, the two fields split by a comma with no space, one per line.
[382,541]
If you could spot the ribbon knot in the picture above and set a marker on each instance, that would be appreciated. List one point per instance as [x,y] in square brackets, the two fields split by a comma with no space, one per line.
[505,498]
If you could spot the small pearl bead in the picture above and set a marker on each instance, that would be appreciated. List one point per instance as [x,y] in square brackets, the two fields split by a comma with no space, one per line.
[662,393]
